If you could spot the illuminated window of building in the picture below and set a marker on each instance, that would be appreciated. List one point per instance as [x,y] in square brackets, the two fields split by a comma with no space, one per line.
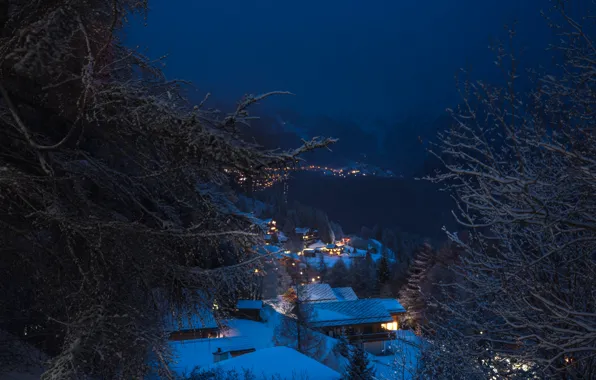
[391,326]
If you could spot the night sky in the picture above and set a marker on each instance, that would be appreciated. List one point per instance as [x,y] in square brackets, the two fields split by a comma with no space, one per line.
[377,74]
[355,60]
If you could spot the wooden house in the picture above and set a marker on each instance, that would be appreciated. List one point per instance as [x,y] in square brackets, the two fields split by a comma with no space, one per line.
[309,253]
[333,249]
[308,235]
[192,325]
[371,321]
[363,321]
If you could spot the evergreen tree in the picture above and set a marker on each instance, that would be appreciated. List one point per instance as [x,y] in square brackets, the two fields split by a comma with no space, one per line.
[359,367]
[338,275]
[412,295]
[383,271]
[323,270]
[357,275]
[362,275]
[342,347]
[274,238]
[295,330]
[117,194]
[337,230]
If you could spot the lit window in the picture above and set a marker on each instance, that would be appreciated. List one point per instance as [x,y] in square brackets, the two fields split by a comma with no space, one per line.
[391,326]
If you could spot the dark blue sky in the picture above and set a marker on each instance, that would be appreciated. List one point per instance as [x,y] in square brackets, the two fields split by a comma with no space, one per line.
[353,59]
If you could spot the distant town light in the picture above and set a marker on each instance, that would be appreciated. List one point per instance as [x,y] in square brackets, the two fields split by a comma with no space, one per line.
[313,280]
[256,271]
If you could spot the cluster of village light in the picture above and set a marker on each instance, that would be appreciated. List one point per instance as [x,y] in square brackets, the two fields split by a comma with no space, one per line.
[277,175]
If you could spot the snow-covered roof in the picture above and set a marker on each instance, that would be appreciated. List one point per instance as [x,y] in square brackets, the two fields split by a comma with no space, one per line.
[240,334]
[267,236]
[249,304]
[272,248]
[193,320]
[278,362]
[345,313]
[345,294]
[331,246]
[281,236]
[392,305]
[302,230]
[317,292]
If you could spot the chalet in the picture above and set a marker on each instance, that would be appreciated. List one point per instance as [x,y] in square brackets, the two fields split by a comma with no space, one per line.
[333,249]
[371,321]
[308,235]
[360,317]
[192,325]
[271,226]
[396,310]
[249,309]
[317,293]
[309,253]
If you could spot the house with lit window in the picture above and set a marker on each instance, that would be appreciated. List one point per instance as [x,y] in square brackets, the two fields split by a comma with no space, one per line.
[308,235]
[198,324]
[333,249]
[370,321]
[271,226]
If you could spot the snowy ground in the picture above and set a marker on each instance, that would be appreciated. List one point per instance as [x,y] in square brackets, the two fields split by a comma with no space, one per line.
[240,334]
[403,362]
[284,362]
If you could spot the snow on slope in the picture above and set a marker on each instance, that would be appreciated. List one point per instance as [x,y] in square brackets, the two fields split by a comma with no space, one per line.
[27,359]
[239,335]
[279,361]
[403,363]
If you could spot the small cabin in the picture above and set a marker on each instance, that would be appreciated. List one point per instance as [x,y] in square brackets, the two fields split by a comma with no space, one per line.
[309,253]
[186,325]
[333,249]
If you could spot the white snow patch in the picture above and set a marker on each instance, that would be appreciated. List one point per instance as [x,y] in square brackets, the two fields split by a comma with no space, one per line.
[280,361]
[240,334]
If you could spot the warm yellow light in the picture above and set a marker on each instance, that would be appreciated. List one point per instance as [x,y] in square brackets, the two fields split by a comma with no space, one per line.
[256,271]
[313,280]
[391,326]
[293,264]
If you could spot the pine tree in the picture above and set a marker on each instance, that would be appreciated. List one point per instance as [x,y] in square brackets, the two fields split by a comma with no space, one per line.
[363,276]
[295,330]
[342,347]
[359,367]
[338,275]
[412,295]
[383,271]
[323,270]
